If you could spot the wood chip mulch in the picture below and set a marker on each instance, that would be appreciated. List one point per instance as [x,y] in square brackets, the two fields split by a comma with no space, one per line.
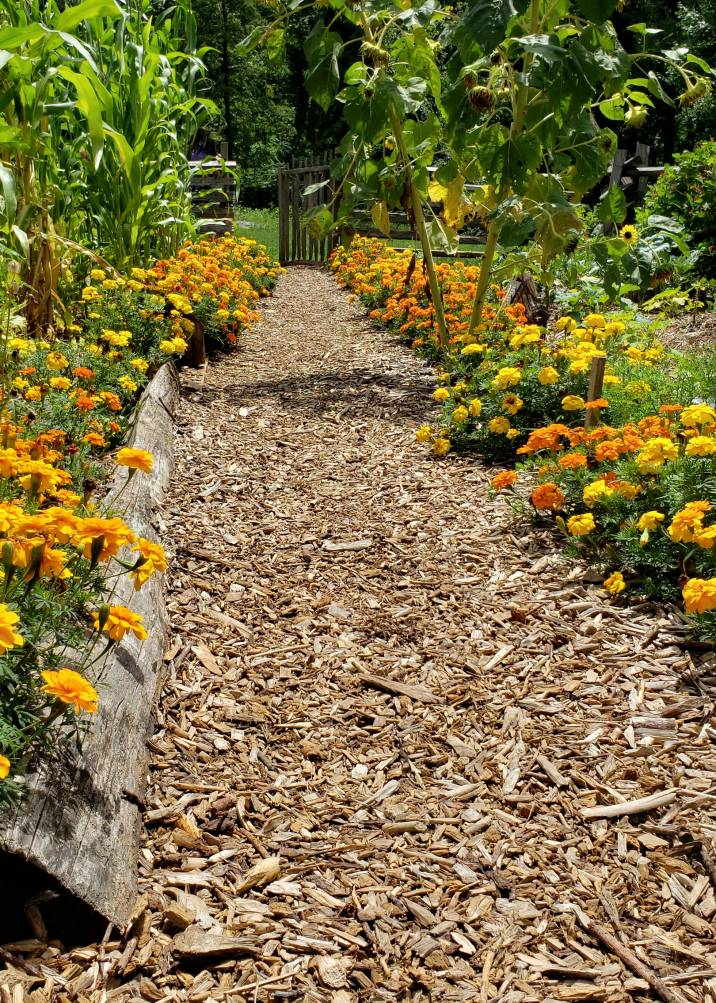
[405,752]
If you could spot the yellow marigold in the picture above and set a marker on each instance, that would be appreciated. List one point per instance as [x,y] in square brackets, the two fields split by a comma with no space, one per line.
[128,384]
[473,349]
[595,492]
[512,403]
[460,414]
[650,520]
[596,321]
[565,324]
[654,454]
[102,538]
[70,688]
[135,459]
[5,765]
[55,360]
[705,537]
[475,408]
[572,402]
[500,426]
[9,637]
[697,414]
[581,525]
[117,621]
[141,365]
[615,583]
[508,376]
[615,327]
[700,595]
[689,519]
[547,376]
[60,383]
[151,559]
[441,394]
[423,434]
[701,445]
[441,446]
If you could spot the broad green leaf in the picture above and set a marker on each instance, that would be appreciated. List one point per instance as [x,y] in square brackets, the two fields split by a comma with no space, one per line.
[613,207]
[596,10]
[275,43]
[89,105]
[322,78]
[484,25]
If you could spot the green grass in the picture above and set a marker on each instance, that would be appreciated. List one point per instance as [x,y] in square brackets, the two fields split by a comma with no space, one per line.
[264,226]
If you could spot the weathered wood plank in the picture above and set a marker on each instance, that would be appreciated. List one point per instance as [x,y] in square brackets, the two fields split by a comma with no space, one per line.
[80,819]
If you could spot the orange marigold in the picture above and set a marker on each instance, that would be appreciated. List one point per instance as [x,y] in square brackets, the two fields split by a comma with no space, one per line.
[547,496]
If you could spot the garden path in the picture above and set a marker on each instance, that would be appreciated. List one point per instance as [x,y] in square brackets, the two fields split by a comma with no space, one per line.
[383,679]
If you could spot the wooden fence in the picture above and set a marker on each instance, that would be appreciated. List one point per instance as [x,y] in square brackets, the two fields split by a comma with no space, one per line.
[632,173]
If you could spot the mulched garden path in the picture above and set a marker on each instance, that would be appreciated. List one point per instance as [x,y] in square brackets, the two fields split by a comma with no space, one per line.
[388,705]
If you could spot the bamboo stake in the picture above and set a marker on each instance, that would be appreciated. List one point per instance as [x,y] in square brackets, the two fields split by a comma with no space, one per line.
[596,385]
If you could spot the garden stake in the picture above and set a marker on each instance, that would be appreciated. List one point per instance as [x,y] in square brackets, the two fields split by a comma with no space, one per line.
[596,385]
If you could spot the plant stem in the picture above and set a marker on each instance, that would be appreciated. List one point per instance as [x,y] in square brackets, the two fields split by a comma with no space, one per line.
[421,227]
[519,112]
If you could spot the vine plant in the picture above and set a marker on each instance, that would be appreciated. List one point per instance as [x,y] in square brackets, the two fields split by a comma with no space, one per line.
[498,111]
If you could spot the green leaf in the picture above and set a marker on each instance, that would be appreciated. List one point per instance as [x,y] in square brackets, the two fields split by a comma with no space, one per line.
[596,10]
[89,105]
[381,217]
[7,182]
[322,78]
[613,109]
[485,25]
[613,208]
[85,11]
[275,44]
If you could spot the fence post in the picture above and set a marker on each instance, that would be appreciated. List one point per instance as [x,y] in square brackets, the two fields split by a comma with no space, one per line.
[282,217]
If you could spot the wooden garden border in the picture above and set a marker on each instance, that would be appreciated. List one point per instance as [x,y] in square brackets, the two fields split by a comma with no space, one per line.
[80,821]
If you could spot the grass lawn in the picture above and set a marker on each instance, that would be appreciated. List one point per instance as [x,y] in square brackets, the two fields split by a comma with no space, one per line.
[264,226]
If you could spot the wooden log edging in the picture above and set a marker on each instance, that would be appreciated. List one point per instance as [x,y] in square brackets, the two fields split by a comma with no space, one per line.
[80,819]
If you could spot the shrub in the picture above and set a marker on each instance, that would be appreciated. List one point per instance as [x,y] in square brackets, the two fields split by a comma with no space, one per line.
[686,191]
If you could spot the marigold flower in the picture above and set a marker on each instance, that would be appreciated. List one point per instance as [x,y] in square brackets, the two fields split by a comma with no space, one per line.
[615,583]
[70,688]
[119,621]
[505,479]
[135,459]
[699,595]
[547,496]
[475,408]
[697,414]
[596,321]
[654,454]
[460,414]
[701,445]
[441,394]
[572,461]
[500,425]
[5,766]
[572,402]
[512,403]
[9,637]
[441,446]
[423,434]
[508,376]
[547,376]
[688,521]
[650,520]
[595,492]
[581,525]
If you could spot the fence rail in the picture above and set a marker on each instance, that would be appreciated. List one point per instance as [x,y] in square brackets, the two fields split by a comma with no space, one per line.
[631,173]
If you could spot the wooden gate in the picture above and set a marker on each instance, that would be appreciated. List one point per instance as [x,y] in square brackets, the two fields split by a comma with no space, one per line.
[296,246]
